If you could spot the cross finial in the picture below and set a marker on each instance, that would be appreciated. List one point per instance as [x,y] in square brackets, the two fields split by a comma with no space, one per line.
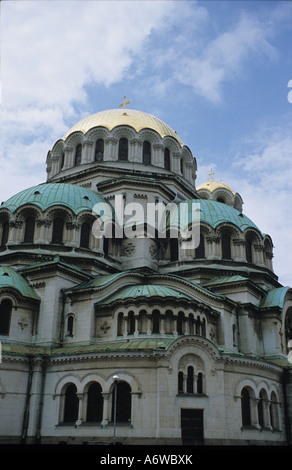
[124,103]
[211,174]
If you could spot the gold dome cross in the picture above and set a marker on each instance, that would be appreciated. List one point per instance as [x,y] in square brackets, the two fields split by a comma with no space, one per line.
[124,103]
[211,174]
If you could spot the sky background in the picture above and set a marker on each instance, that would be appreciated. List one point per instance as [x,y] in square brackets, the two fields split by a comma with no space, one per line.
[217,72]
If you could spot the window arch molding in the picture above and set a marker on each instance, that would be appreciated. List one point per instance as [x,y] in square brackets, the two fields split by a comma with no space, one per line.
[54,234]
[57,152]
[4,231]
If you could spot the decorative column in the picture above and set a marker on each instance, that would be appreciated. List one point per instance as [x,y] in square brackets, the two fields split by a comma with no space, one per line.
[125,334]
[136,318]
[80,408]
[105,417]
[239,243]
[185,379]
[157,157]
[74,227]
[68,158]
[42,225]
[176,162]
[213,247]
[135,154]
[87,154]
[13,226]
[259,254]
[111,150]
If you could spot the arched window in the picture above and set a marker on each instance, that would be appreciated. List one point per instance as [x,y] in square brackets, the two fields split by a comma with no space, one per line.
[226,246]
[71,404]
[200,383]
[203,327]
[58,226]
[62,160]
[190,380]
[29,230]
[191,324]
[143,322]
[220,199]
[131,323]
[99,150]
[198,326]
[261,410]
[181,166]
[105,245]
[179,323]
[70,325]
[180,382]
[155,321]
[274,417]
[123,149]
[245,407]
[78,153]
[234,335]
[120,324]
[200,250]
[94,403]
[5,233]
[146,152]
[123,396]
[5,316]
[167,159]
[85,235]
[173,249]
[248,250]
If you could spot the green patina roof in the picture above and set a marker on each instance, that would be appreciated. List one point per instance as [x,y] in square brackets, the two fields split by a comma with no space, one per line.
[148,291]
[224,280]
[98,281]
[212,213]
[275,297]
[9,277]
[139,344]
[46,195]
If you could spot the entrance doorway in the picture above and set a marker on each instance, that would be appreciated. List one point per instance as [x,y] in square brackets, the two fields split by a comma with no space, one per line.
[192,426]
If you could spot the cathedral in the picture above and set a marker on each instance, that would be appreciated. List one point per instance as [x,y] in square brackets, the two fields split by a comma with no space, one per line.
[117,328]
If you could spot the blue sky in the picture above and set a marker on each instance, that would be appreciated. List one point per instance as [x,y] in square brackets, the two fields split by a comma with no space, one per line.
[215,71]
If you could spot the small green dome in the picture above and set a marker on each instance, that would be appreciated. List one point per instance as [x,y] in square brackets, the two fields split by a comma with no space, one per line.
[148,291]
[46,195]
[9,277]
[211,212]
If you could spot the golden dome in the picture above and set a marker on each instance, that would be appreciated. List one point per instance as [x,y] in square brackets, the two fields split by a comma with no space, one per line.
[120,117]
[213,185]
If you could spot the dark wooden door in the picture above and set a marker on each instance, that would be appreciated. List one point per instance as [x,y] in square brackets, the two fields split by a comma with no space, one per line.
[192,426]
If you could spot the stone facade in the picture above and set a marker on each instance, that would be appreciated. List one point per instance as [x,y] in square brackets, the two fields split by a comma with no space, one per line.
[192,342]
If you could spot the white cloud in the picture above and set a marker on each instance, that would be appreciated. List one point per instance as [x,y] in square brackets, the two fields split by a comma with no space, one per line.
[49,54]
[225,56]
[261,171]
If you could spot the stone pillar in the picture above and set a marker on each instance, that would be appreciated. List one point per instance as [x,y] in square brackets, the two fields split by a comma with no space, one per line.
[176,163]
[111,149]
[135,154]
[240,249]
[81,407]
[106,409]
[157,155]
[213,248]
[87,152]
[136,318]
[68,158]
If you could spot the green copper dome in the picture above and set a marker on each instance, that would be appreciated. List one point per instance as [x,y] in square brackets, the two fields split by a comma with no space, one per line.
[211,212]
[46,195]
[9,277]
[142,291]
